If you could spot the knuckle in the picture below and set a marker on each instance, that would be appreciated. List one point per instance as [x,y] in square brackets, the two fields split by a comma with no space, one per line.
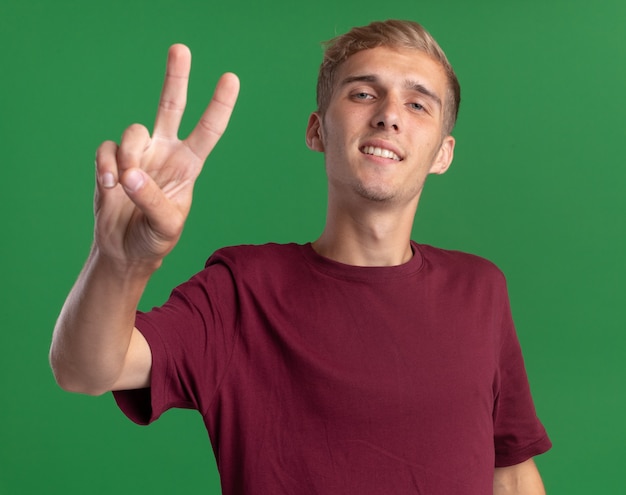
[105,155]
[171,105]
[124,157]
[134,131]
[153,198]
[134,142]
[209,127]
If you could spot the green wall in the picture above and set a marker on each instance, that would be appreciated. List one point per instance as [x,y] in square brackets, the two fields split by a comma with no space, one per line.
[537,186]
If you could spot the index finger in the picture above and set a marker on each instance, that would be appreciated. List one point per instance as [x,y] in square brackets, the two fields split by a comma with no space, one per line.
[215,118]
[174,92]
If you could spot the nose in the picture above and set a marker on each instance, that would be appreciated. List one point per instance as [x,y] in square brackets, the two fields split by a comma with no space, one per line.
[387,115]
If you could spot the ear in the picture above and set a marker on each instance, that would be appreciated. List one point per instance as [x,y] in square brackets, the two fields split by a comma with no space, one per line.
[444,156]
[314,134]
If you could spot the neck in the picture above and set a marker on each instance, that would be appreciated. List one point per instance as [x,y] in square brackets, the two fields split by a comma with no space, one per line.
[369,235]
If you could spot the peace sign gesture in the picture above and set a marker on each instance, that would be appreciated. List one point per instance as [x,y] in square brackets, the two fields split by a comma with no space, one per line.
[145,184]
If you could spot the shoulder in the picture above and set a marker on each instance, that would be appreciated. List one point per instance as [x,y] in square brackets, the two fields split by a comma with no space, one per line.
[460,263]
[467,278]
[229,270]
[261,260]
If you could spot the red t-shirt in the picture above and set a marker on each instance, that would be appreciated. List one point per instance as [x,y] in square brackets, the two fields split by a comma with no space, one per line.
[315,377]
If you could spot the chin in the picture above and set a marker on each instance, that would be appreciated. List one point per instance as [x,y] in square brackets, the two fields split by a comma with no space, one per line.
[376,194]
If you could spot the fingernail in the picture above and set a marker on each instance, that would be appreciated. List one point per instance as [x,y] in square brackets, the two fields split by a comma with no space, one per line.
[133,180]
[107,180]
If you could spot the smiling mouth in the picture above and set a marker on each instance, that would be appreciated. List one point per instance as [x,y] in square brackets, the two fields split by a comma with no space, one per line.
[382,152]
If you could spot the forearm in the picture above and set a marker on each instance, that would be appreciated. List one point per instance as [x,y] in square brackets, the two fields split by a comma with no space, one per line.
[93,332]
[520,479]
[143,195]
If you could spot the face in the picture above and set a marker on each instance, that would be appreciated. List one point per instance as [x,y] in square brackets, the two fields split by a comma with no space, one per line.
[382,133]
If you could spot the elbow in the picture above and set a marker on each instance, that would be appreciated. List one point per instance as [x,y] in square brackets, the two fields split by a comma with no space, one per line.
[71,380]
[77,386]
[518,479]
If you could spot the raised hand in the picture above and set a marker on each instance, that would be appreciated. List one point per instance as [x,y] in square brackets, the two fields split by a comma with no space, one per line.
[145,185]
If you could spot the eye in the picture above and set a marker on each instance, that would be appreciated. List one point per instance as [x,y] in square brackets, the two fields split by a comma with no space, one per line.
[362,95]
[417,106]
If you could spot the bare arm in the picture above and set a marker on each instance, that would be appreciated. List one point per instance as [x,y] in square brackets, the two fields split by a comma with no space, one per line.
[143,195]
[520,479]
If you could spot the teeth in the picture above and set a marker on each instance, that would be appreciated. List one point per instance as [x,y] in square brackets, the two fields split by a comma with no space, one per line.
[371,150]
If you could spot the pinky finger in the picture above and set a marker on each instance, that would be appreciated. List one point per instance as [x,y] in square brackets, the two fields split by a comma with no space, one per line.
[106,165]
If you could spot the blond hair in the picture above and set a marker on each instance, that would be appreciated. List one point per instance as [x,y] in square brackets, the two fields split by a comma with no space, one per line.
[390,33]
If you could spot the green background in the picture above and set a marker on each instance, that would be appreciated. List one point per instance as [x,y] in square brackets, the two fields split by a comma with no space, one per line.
[537,186]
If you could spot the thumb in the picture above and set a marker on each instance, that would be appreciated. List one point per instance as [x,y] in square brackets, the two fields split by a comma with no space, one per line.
[133,180]
[163,216]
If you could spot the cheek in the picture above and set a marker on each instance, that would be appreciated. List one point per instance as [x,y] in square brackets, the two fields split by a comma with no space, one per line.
[331,138]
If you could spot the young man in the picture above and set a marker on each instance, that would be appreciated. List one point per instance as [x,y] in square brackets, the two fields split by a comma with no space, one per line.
[360,363]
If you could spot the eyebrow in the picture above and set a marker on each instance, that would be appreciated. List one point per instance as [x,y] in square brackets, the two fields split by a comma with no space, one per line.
[409,84]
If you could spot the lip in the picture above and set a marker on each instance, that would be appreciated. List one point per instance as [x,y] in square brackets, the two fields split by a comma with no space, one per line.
[380,143]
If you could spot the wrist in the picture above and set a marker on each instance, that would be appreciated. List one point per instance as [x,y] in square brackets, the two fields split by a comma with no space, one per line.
[122,268]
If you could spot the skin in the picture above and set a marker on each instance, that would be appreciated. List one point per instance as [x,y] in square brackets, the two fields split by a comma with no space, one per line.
[379,101]
[143,196]
[384,98]
[520,479]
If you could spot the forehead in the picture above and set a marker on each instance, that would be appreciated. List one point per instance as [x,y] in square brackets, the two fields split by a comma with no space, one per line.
[395,65]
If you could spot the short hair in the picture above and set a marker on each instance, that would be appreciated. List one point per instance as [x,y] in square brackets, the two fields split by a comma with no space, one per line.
[389,33]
